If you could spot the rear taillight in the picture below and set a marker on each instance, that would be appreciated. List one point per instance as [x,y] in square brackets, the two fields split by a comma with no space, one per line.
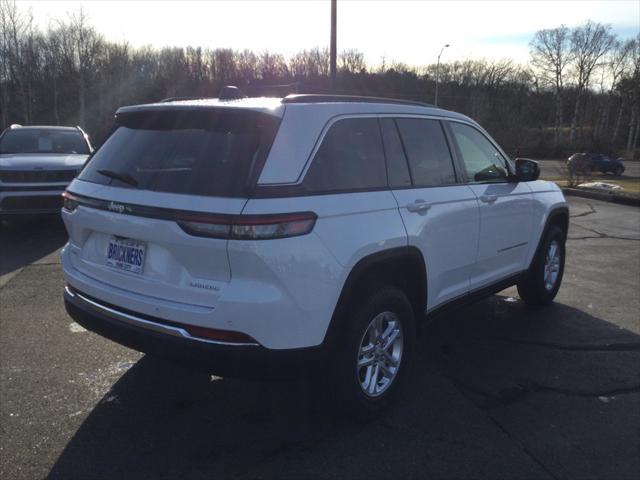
[69,201]
[250,227]
[237,227]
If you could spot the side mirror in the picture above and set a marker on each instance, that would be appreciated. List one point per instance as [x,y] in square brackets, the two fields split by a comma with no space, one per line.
[526,170]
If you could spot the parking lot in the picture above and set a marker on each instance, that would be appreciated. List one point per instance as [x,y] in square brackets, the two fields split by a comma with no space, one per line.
[498,391]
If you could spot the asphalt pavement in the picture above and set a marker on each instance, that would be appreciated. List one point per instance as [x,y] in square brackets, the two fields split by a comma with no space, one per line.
[498,391]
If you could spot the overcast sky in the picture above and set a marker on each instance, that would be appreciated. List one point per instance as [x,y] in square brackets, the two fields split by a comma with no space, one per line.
[407,31]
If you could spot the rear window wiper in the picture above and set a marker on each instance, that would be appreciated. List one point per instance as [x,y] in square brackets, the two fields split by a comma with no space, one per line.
[123,177]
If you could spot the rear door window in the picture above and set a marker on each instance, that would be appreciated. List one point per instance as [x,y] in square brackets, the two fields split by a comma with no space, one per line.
[350,158]
[213,152]
[427,151]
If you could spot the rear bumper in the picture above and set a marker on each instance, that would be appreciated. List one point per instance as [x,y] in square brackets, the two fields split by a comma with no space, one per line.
[223,359]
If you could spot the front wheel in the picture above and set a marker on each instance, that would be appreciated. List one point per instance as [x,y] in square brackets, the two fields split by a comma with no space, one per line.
[374,351]
[541,283]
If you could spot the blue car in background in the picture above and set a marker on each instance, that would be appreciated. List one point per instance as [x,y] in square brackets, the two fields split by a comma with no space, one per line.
[594,162]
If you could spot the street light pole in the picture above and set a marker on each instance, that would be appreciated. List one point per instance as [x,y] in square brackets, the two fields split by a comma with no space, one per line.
[332,49]
[438,73]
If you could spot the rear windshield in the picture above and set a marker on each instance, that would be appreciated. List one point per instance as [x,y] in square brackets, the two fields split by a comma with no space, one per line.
[211,152]
[43,141]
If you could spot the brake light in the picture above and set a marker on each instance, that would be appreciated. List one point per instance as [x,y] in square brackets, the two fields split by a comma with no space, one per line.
[250,227]
[69,201]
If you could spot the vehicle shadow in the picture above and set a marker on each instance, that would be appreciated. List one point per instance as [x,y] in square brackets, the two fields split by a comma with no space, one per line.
[159,421]
[26,241]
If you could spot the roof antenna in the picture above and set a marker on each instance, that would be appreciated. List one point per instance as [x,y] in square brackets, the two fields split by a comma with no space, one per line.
[230,92]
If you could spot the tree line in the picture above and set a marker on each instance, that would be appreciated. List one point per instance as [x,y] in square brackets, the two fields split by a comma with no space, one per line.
[579,91]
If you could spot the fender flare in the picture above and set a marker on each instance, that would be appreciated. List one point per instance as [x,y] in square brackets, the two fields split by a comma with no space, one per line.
[555,213]
[358,277]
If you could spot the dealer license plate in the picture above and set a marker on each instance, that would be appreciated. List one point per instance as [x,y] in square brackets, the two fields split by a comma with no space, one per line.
[126,254]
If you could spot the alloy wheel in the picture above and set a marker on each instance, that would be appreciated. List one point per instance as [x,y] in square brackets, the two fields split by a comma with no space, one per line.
[380,354]
[552,265]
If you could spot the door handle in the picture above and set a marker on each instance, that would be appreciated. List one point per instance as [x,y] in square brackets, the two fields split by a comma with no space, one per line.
[488,198]
[419,206]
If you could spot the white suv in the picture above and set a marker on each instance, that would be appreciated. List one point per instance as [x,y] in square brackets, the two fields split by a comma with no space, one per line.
[36,164]
[267,236]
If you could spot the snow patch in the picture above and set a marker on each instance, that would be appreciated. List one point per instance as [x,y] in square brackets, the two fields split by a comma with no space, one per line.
[609,187]
[75,328]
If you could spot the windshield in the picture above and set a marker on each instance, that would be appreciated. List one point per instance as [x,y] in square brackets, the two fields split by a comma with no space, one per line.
[43,141]
[210,153]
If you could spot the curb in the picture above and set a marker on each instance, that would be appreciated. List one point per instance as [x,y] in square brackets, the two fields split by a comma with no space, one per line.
[606,197]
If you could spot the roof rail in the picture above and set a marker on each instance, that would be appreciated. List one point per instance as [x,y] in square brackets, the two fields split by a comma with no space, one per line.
[228,92]
[322,98]
[180,99]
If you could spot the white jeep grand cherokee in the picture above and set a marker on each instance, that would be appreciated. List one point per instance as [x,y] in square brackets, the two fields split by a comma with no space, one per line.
[268,236]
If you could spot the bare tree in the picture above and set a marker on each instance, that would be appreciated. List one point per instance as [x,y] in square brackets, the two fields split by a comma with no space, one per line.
[312,63]
[352,61]
[633,92]
[550,56]
[247,66]
[5,74]
[272,66]
[51,48]
[68,73]
[15,27]
[224,65]
[81,46]
[617,63]
[589,43]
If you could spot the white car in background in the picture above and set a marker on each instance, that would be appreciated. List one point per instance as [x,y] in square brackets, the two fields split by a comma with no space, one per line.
[307,234]
[36,165]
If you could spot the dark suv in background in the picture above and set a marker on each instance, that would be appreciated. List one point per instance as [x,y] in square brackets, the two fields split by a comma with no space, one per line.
[592,162]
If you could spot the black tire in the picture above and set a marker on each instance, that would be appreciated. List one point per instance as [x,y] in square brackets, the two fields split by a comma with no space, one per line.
[618,171]
[353,401]
[532,288]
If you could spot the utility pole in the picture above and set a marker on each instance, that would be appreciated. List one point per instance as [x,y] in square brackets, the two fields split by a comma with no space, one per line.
[438,74]
[332,51]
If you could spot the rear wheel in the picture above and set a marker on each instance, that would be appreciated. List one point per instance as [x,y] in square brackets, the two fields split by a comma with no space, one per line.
[542,282]
[375,350]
